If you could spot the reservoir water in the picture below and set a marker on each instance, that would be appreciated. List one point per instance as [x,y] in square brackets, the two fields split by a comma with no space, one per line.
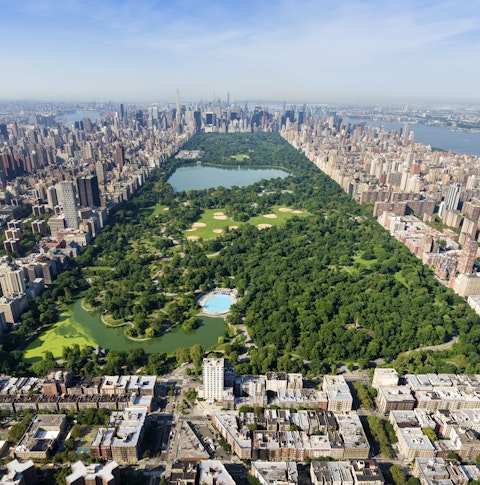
[437,136]
[199,177]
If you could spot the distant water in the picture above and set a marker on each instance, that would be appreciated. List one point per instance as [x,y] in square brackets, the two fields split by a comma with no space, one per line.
[70,119]
[436,136]
[198,177]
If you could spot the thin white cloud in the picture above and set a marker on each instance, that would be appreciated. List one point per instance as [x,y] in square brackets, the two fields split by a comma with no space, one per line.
[310,45]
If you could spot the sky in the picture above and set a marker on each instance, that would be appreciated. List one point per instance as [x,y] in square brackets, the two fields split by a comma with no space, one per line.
[292,50]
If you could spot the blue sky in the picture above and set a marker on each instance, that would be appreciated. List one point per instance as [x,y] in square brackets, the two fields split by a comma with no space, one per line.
[293,50]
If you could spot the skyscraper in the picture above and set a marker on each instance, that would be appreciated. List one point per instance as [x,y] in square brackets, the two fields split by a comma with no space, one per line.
[467,257]
[12,282]
[120,156]
[69,203]
[178,114]
[52,198]
[213,378]
[100,171]
[453,197]
[88,193]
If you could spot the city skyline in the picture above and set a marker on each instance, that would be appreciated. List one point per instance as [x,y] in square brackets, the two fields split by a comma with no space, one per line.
[316,51]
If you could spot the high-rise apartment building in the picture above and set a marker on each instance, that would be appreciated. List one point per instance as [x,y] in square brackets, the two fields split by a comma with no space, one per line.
[120,157]
[12,282]
[214,378]
[100,172]
[88,192]
[467,257]
[453,197]
[69,203]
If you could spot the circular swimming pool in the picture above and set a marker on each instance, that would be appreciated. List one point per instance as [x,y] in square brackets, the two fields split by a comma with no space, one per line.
[218,303]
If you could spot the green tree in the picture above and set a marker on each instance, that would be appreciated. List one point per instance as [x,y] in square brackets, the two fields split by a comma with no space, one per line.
[430,434]
[163,480]
[191,394]
[196,353]
[76,431]
[397,475]
[453,456]
[157,364]
[19,429]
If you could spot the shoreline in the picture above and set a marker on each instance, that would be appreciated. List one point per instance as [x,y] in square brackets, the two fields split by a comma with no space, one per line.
[124,324]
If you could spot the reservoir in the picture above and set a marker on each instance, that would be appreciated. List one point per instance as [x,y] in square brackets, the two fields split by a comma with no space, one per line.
[199,177]
[80,326]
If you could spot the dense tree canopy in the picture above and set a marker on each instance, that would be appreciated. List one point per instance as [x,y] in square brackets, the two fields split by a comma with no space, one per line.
[330,286]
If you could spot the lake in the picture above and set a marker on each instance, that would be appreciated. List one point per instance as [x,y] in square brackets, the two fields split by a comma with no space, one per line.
[80,326]
[199,177]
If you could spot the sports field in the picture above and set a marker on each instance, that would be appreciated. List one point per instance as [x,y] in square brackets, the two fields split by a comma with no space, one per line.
[214,221]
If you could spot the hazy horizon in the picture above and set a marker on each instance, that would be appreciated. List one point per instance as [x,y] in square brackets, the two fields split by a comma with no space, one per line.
[313,51]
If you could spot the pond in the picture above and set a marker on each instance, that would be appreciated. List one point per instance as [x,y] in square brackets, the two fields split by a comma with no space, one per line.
[199,177]
[77,325]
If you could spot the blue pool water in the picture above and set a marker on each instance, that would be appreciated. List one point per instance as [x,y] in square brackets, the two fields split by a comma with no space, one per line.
[218,304]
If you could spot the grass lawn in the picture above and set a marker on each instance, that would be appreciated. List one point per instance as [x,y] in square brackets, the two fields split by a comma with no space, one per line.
[359,265]
[398,276]
[159,209]
[211,224]
[109,320]
[280,218]
[240,157]
[366,263]
[100,268]
[97,270]
[64,333]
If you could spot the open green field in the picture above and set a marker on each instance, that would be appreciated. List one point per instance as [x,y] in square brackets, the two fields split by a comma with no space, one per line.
[365,263]
[96,270]
[66,332]
[159,209]
[240,157]
[213,222]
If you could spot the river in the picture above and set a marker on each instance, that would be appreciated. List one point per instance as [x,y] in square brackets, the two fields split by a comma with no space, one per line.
[437,136]
[69,119]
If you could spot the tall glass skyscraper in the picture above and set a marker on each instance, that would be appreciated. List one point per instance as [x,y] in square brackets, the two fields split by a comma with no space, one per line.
[70,208]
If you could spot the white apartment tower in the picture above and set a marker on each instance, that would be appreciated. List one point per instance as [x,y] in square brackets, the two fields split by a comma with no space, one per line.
[453,197]
[12,282]
[69,203]
[213,378]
